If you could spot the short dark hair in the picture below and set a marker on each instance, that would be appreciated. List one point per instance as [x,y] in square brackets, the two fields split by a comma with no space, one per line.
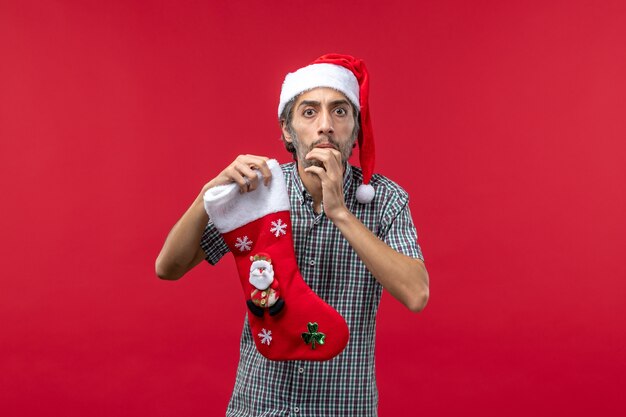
[287,117]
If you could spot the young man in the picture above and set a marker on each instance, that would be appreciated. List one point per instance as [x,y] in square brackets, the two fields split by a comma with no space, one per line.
[351,241]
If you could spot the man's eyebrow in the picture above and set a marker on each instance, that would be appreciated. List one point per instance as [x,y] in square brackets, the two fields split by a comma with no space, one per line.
[314,103]
[339,102]
[311,103]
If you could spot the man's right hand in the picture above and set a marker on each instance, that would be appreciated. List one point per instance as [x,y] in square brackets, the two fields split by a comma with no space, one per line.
[242,172]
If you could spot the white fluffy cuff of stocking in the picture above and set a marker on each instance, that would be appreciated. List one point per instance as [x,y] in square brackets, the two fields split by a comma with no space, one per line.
[229,209]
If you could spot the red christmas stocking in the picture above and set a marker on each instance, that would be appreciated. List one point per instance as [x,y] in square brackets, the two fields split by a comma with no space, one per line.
[288,320]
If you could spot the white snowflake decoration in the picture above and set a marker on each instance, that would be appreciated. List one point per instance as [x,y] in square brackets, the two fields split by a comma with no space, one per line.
[279,228]
[266,336]
[243,244]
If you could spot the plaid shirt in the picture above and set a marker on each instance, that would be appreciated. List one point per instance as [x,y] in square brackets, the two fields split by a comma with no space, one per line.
[346,384]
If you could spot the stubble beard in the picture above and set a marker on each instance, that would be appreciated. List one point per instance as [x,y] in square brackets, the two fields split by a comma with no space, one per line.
[302,151]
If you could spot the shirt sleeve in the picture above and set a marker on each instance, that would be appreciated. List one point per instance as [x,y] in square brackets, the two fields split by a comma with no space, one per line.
[401,234]
[213,244]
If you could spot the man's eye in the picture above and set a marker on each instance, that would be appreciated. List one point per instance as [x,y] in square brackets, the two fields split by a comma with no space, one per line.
[309,112]
[340,111]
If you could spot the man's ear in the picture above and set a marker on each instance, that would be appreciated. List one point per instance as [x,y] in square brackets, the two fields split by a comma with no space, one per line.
[283,128]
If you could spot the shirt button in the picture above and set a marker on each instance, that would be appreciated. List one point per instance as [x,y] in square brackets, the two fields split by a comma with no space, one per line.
[312,262]
[296,409]
[301,370]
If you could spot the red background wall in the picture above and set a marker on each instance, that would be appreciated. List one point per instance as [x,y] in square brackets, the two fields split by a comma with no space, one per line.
[504,120]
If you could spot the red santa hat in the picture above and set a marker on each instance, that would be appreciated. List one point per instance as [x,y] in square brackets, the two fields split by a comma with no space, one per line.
[348,75]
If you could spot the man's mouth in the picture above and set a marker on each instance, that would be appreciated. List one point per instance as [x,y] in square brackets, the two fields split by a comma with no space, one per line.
[326,145]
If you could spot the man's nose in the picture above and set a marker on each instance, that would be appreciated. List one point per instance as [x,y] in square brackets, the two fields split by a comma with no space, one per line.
[325,122]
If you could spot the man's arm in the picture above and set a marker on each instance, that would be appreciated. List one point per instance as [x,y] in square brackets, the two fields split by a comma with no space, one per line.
[405,278]
[181,250]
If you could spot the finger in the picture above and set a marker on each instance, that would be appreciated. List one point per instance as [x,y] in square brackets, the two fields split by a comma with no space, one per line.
[258,157]
[329,151]
[259,163]
[325,155]
[251,180]
[265,171]
[337,156]
[319,171]
[319,157]
[235,176]
[247,158]
[329,160]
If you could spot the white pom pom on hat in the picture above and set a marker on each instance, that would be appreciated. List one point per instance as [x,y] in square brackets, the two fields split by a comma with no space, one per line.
[349,76]
[365,193]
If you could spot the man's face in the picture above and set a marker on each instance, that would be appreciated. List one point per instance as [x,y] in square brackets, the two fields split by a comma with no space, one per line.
[322,118]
